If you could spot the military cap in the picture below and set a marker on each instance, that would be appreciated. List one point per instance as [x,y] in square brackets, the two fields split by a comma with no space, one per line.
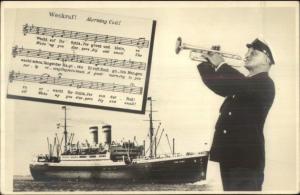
[263,47]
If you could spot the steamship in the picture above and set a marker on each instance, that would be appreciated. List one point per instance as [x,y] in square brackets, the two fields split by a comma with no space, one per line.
[116,162]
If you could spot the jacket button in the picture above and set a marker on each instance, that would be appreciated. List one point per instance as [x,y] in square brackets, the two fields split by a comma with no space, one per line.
[224,131]
[229,113]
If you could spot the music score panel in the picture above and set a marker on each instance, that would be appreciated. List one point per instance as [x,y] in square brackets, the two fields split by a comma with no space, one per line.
[52,32]
[79,61]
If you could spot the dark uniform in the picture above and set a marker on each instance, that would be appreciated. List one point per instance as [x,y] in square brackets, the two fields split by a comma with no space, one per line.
[238,142]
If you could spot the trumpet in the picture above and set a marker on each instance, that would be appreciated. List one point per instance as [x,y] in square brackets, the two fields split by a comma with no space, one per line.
[196,51]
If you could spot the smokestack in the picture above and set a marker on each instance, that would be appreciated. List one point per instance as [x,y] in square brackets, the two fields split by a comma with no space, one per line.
[94,132]
[107,134]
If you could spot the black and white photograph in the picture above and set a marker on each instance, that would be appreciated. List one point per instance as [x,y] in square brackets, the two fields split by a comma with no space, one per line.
[144,97]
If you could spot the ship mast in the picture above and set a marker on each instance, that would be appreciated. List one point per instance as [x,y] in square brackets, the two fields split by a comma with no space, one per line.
[151,128]
[65,127]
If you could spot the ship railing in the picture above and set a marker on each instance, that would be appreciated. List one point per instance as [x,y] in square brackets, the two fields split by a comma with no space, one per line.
[196,153]
[163,156]
[86,156]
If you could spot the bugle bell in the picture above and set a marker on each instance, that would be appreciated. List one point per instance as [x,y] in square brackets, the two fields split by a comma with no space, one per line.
[196,51]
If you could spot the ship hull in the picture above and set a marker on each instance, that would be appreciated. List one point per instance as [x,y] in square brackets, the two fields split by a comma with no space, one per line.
[176,170]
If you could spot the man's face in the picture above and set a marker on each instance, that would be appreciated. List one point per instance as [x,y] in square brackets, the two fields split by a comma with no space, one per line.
[254,58]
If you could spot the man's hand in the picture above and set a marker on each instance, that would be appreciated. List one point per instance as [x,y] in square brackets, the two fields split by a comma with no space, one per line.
[214,58]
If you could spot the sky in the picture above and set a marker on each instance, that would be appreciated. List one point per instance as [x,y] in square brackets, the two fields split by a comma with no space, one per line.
[186,108]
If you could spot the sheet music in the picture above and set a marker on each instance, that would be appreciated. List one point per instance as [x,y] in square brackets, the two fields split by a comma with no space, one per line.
[85,58]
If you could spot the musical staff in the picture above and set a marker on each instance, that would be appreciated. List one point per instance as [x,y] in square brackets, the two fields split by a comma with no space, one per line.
[65,57]
[47,79]
[52,32]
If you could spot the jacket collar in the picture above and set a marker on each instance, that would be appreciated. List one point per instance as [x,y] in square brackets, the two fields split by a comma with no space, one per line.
[260,75]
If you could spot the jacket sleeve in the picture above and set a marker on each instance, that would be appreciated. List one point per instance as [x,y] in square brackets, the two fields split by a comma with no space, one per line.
[225,81]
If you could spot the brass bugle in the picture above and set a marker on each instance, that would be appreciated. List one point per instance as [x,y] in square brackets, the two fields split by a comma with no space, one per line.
[196,51]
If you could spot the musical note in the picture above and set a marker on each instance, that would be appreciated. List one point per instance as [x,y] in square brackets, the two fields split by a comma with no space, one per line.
[58,56]
[49,56]
[91,85]
[140,42]
[47,79]
[74,34]
[79,85]
[64,57]
[71,84]
[44,78]
[53,34]
[119,41]
[86,37]
[62,34]
[37,30]
[96,38]
[118,88]
[39,52]
[43,31]
[73,58]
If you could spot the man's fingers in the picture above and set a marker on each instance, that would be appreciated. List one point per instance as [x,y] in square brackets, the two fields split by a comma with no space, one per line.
[206,57]
[210,53]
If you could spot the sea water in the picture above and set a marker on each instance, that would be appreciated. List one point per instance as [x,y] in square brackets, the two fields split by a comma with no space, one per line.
[26,183]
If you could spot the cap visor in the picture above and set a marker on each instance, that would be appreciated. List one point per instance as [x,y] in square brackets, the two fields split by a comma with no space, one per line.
[249,45]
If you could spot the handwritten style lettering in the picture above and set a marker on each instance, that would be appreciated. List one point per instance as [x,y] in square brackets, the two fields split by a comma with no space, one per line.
[63,15]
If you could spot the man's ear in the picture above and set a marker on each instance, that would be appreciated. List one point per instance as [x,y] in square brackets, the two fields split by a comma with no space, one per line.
[268,61]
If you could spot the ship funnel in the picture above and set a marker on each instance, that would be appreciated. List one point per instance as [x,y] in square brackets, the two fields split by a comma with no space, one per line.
[107,134]
[94,132]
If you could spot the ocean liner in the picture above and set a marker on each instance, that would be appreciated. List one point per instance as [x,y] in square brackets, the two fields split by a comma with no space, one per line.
[117,162]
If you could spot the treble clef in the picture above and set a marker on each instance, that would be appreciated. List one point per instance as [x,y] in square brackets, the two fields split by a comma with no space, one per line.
[15,51]
[11,76]
[25,29]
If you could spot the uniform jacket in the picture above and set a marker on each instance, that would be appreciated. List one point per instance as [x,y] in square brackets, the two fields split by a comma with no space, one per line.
[238,137]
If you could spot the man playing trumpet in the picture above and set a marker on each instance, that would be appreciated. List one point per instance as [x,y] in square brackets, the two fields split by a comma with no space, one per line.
[238,143]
